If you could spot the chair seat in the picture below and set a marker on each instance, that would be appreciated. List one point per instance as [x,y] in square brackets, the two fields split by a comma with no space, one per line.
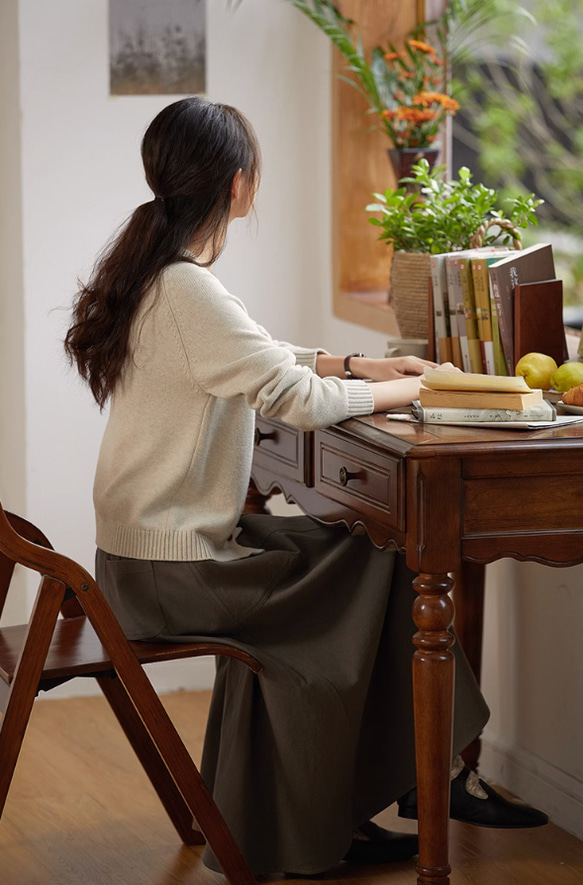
[76,650]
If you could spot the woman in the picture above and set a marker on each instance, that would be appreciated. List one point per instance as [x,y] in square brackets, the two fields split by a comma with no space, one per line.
[300,758]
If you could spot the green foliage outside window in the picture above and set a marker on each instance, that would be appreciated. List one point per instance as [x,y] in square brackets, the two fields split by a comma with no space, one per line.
[521,91]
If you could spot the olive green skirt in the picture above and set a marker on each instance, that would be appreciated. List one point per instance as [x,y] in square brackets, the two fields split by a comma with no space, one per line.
[322,739]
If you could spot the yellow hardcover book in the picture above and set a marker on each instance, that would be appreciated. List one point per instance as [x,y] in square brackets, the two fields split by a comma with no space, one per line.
[479,399]
[467,290]
[439,379]
[481,282]
[459,338]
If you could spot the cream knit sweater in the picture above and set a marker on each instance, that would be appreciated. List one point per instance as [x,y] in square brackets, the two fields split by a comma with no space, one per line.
[175,460]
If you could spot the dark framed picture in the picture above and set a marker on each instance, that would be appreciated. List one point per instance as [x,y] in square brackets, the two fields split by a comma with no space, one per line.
[157,48]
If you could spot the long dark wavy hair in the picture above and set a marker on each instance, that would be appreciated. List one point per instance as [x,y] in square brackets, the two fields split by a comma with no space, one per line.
[191,152]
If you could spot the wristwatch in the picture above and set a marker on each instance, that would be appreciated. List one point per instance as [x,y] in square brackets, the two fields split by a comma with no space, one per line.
[347,372]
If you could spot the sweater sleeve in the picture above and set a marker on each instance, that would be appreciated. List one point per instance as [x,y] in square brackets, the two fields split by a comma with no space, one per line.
[305,356]
[227,355]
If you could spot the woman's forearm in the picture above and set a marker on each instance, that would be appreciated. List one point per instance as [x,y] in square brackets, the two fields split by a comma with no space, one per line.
[372,369]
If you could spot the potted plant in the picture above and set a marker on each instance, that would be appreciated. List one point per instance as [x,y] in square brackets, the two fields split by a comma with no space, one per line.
[430,214]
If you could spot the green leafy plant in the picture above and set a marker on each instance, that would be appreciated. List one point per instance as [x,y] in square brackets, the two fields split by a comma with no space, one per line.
[439,215]
[523,113]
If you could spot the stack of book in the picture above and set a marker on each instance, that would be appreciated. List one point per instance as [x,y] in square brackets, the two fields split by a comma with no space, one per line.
[475,308]
[460,398]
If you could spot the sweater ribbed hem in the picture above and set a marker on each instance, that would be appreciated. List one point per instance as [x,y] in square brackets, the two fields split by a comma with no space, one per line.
[307,356]
[360,400]
[140,543]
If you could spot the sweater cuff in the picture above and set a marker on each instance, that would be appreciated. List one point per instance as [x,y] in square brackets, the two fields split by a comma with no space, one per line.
[307,356]
[360,400]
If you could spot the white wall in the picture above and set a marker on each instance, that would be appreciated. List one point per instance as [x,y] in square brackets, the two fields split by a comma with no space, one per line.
[69,173]
[12,462]
[533,682]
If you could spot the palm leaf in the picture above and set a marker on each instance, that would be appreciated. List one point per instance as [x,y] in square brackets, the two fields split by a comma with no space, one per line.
[330,20]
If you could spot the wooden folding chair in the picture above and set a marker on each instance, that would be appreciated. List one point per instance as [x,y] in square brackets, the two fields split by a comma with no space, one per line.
[88,641]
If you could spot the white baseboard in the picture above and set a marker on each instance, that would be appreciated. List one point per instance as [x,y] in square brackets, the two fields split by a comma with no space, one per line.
[535,781]
[190,674]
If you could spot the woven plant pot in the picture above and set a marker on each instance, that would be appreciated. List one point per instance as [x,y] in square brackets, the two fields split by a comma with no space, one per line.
[410,273]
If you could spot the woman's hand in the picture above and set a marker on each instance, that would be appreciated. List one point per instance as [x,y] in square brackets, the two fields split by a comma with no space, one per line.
[402,390]
[390,369]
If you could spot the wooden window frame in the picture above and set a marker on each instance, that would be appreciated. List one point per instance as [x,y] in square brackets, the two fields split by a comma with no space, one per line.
[360,165]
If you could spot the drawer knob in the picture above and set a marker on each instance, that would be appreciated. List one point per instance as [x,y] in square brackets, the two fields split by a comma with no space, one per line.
[345,476]
[261,436]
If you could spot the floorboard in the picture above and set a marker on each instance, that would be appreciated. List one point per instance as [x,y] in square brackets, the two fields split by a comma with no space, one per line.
[81,812]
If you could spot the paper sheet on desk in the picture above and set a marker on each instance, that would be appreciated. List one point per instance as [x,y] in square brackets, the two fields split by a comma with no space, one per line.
[560,421]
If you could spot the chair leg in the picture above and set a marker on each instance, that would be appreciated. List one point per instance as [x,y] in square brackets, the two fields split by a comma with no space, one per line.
[26,679]
[153,764]
[165,737]
[185,773]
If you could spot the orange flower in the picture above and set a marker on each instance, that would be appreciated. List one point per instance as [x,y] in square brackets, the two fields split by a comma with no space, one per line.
[421,46]
[428,98]
[416,106]
[415,115]
[449,104]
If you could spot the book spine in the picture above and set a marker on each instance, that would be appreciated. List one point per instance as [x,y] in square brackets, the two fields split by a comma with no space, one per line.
[456,306]
[468,299]
[503,325]
[441,309]
[499,361]
[544,411]
[456,353]
[483,313]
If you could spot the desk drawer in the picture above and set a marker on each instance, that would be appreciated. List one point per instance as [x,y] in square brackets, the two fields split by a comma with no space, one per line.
[364,479]
[284,449]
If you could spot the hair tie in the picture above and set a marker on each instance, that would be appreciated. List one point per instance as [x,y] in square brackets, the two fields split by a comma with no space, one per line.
[158,198]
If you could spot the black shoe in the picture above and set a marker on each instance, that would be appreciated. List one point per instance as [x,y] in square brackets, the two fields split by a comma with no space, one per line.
[487,809]
[377,845]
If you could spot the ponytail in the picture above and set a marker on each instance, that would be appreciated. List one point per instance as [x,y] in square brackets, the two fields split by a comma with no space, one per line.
[97,340]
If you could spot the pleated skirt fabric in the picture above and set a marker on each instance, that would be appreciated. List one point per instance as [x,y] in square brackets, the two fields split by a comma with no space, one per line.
[322,739]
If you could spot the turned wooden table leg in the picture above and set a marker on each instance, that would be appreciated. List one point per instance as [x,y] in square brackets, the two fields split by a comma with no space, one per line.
[468,596]
[433,681]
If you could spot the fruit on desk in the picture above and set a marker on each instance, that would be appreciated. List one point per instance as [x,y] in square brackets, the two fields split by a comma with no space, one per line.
[567,376]
[537,369]
[574,396]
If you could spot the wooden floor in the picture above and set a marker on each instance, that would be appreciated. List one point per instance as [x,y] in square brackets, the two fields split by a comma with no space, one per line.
[81,812]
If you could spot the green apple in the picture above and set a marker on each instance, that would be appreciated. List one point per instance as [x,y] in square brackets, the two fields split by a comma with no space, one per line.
[567,376]
[537,369]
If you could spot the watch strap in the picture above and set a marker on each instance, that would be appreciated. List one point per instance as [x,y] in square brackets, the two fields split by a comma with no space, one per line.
[347,372]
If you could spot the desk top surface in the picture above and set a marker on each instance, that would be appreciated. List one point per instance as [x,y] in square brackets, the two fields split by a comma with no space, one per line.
[407,436]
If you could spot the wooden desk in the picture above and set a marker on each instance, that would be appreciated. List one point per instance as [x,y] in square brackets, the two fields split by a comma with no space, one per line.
[446,496]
